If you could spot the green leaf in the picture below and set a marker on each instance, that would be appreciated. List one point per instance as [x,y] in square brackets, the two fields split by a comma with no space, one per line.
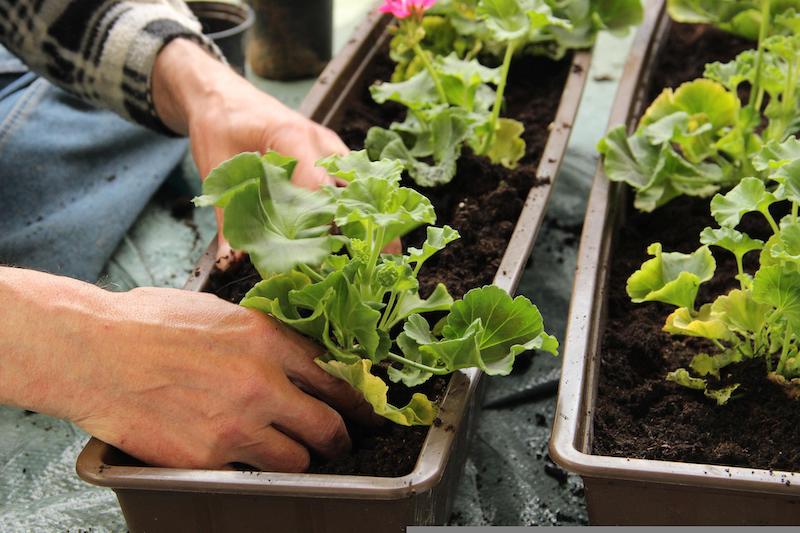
[684,379]
[740,312]
[787,248]
[277,224]
[733,73]
[723,395]
[510,20]
[272,296]
[704,324]
[416,333]
[435,241]
[780,289]
[736,242]
[281,231]
[357,165]
[418,412]
[707,365]
[229,177]
[672,278]
[781,161]
[379,203]
[439,300]
[658,174]
[703,100]
[507,147]
[463,79]
[749,196]
[418,92]
[618,15]
[488,329]
[449,127]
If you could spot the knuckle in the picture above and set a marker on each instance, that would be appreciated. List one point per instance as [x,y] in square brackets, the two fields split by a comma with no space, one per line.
[330,428]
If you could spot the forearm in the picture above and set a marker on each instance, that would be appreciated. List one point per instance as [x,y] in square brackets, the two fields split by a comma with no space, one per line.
[47,323]
[190,87]
[101,51]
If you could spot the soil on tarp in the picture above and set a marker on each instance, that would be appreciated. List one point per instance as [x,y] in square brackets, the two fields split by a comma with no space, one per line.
[638,412]
[483,203]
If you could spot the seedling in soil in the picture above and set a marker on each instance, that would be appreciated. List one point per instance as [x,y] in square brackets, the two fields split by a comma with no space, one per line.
[760,318]
[339,288]
[702,137]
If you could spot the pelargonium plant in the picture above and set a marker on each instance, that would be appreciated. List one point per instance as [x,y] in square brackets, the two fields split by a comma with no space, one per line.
[760,317]
[325,275]
[702,137]
[450,101]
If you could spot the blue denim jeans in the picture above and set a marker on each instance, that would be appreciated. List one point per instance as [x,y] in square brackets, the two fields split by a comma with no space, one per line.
[73,178]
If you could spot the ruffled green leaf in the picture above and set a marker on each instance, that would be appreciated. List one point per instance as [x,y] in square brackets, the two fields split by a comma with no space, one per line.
[416,333]
[672,278]
[379,203]
[707,365]
[488,329]
[684,379]
[435,241]
[736,242]
[507,146]
[703,324]
[272,296]
[357,165]
[749,196]
[227,178]
[780,289]
[740,312]
[418,412]
[448,130]
[439,300]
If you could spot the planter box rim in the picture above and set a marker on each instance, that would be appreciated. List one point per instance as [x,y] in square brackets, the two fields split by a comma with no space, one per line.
[572,421]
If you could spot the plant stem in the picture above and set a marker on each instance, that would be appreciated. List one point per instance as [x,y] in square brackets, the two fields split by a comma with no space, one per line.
[308,271]
[498,99]
[419,366]
[787,336]
[772,223]
[756,93]
[423,55]
[388,311]
[740,267]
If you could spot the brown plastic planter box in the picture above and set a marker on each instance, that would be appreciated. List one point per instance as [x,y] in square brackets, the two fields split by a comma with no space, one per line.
[175,500]
[627,491]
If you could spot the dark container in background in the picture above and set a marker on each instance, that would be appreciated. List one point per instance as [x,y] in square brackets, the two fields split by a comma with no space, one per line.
[226,24]
[291,39]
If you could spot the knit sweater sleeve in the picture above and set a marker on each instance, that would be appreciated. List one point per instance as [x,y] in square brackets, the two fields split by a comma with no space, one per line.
[103,51]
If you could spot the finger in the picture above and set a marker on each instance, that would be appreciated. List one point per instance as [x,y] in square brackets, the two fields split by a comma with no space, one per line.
[226,255]
[311,422]
[394,247]
[272,451]
[336,392]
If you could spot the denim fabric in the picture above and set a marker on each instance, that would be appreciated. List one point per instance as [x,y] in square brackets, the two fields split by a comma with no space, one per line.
[73,178]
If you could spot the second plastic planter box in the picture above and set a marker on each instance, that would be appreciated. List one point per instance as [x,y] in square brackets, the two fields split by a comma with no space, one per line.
[628,491]
[174,500]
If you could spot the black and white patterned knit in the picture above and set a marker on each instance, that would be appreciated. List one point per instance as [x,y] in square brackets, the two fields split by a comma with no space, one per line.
[100,50]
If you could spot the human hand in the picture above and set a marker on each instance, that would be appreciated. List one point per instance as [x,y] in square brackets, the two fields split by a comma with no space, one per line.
[174,378]
[224,115]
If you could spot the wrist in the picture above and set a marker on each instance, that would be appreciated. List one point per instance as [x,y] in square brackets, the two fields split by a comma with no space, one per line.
[48,334]
[186,80]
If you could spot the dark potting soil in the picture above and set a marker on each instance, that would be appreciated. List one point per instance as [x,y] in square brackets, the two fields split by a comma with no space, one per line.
[482,202]
[638,412]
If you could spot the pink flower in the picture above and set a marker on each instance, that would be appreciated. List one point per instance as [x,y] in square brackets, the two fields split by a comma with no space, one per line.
[404,8]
